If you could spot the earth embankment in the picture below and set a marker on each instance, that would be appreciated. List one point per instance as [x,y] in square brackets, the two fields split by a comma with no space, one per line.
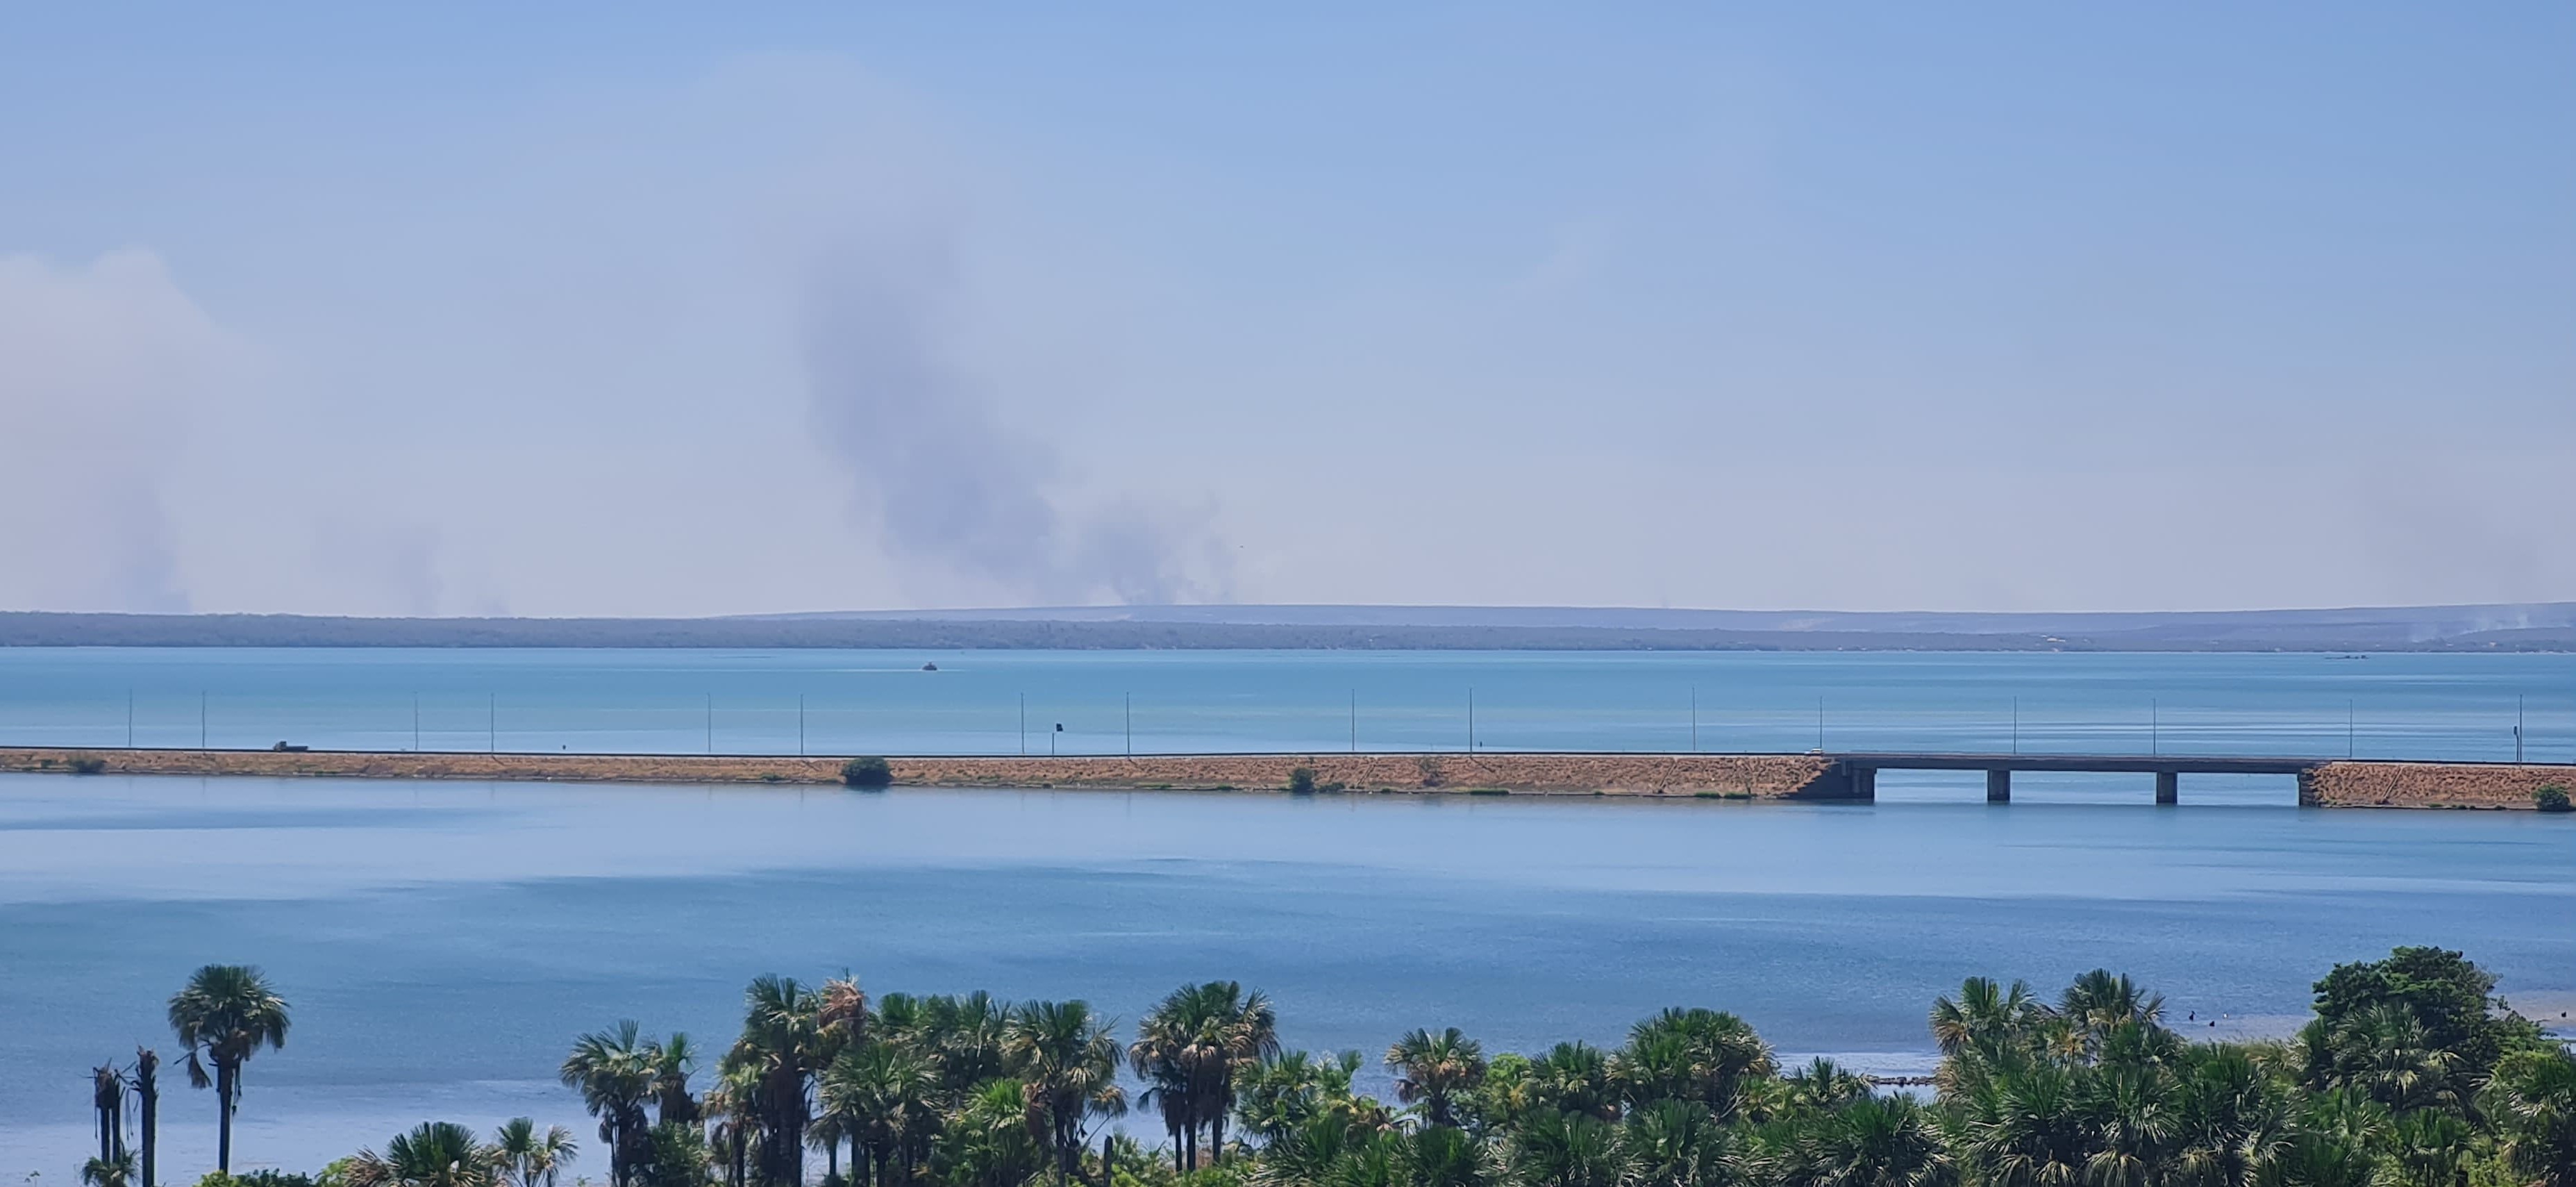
[2430,785]
[1748,776]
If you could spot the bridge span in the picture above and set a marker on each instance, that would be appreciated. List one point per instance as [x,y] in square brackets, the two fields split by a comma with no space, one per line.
[1854,774]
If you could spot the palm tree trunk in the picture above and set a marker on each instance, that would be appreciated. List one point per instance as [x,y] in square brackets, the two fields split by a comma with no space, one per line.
[148,1092]
[224,1089]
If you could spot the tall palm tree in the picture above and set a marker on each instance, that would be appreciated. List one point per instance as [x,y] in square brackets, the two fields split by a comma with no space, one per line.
[1436,1071]
[880,1096]
[614,1070]
[2532,1101]
[527,1158]
[673,1060]
[1067,1063]
[224,1015]
[783,1045]
[107,1099]
[147,1102]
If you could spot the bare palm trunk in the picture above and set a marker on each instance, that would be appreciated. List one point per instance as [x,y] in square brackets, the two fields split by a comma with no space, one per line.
[227,1083]
[147,1092]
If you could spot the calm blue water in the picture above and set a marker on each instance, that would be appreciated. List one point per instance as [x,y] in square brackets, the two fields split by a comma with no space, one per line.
[662,701]
[442,943]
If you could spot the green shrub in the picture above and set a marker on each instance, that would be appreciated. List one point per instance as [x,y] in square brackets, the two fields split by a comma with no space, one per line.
[93,766]
[2550,798]
[870,773]
[1301,781]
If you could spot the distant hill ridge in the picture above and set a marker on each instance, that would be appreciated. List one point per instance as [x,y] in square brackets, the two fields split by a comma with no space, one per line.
[2547,626]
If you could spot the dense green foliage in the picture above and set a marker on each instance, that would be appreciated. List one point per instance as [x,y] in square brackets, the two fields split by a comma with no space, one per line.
[870,773]
[2550,797]
[2412,1074]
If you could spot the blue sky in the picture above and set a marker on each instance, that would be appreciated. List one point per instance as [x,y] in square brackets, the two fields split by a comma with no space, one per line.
[640,310]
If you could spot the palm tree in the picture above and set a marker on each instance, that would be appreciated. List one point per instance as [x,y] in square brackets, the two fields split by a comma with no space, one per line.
[1696,1055]
[528,1158]
[1574,1078]
[147,1100]
[1985,1017]
[1679,1143]
[108,1172]
[1435,1071]
[782,1047]
[432,1154]
[224,1015]
[2386,1051]
[2231,1118]
[1439,1156]
[1568,1150]
[1067,1063]
[107,1099]
[2532,1101]
[879,1097]
[673,1060]
[2101,1000]
[2129,1112]
[1874,1142]
[2021,1128]
[614,1070]
[1823,1085]
[991,1142]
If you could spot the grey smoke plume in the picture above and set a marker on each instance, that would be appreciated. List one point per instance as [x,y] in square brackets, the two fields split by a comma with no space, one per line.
[951,484]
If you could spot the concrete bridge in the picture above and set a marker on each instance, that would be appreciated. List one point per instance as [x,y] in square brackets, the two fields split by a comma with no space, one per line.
[1855,775]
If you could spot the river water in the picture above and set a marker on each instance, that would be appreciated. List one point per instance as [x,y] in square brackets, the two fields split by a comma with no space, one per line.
[442,942]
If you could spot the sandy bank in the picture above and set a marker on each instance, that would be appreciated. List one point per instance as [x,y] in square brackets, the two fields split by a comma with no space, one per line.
[1735,775]
[2429,785]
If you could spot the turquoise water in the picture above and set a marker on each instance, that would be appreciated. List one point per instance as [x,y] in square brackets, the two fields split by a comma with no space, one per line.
[664,701]
[442,942]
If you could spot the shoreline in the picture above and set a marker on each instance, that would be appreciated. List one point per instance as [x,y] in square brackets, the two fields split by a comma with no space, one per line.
[2339,783]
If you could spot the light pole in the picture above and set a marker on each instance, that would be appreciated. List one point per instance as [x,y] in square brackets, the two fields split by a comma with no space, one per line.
[2349,746]
[415,723]
[1024,725]
[1131,725]
[2517,729]
[800,725]
[1355,721]
[1694,719]
[1471,719]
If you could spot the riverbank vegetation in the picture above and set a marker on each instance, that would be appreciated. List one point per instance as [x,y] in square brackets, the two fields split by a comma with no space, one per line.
[2410,1074]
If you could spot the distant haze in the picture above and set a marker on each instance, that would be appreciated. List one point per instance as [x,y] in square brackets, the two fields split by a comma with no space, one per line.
[591,310]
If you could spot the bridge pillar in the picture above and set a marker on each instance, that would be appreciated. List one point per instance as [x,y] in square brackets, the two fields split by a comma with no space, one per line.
[1865,783]
[1999,787]
[2168,787]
